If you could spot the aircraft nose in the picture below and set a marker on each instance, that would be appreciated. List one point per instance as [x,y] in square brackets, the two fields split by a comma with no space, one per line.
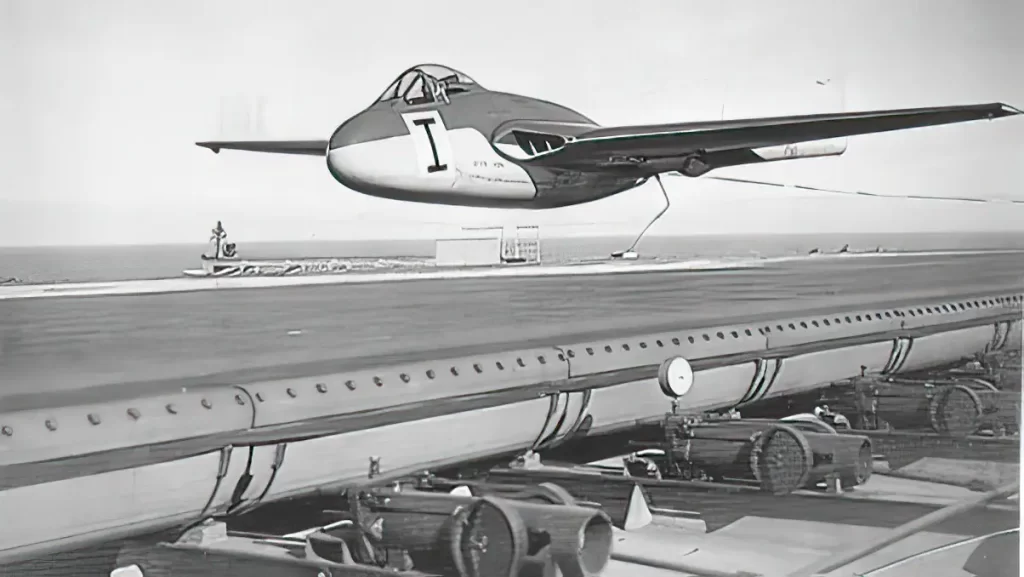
[343,162]
[345,148]
[364,149]
[367,126]
[344,135]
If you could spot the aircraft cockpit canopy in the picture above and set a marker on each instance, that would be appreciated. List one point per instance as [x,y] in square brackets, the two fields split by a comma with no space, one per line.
[428,83]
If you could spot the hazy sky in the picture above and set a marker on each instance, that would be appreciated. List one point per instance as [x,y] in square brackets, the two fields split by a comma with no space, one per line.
[101,101]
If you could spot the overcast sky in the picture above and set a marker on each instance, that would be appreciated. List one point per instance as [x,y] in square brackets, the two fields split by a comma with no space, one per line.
[101,101]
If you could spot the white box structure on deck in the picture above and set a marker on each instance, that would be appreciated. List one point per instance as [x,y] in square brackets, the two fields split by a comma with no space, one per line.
[477,251]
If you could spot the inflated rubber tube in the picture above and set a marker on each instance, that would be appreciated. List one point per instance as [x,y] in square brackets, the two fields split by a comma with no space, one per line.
[945,347]
[806,372]
[308,471]
[145,499]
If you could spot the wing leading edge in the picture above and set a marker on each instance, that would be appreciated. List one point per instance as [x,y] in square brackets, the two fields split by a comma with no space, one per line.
[306,147]
[731,142]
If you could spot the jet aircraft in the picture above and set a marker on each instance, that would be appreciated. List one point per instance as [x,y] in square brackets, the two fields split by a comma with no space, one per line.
[437,136]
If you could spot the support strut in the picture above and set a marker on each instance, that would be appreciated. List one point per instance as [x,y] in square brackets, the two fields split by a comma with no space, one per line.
[630,253]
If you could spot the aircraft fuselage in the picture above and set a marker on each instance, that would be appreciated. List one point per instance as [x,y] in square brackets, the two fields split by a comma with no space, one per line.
[461,153]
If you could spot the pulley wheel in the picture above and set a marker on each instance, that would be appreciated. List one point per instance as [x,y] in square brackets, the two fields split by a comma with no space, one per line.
[781,459]
[490,540]
[957,411]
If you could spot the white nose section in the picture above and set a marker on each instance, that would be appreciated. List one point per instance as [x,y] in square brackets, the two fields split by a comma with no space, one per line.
[389,162]
[421,163]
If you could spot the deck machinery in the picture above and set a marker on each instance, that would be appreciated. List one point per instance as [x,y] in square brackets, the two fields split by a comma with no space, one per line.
[525,518]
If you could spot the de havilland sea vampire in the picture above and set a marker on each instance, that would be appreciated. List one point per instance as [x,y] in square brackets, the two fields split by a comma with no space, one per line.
[437,136]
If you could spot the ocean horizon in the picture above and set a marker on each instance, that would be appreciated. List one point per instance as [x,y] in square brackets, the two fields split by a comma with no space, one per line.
[32,265]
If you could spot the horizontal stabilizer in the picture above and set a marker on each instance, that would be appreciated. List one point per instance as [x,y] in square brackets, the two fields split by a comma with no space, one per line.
[306,147]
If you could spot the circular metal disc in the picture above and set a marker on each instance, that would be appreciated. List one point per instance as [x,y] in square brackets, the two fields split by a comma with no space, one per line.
[675,376]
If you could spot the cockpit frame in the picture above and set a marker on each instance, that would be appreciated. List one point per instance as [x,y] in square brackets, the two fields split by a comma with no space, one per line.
[426,84]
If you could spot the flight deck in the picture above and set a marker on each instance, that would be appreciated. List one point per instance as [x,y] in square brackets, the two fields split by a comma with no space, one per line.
[67,349]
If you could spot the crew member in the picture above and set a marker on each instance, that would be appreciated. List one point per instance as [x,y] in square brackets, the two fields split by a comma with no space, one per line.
[837,420]
[217,237]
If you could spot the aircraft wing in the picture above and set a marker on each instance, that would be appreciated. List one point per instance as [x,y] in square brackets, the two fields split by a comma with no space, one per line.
[306,147]
[732,142]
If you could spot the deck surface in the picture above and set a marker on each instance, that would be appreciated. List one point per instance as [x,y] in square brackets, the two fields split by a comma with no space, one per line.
[75,349]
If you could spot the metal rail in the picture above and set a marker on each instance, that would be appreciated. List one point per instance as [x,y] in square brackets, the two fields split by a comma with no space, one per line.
[833,563]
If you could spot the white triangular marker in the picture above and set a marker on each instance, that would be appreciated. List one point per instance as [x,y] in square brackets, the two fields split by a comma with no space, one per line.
[461,491]
[638,514]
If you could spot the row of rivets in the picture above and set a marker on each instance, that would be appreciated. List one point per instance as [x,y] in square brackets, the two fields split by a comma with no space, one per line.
[135,414]
[851,319]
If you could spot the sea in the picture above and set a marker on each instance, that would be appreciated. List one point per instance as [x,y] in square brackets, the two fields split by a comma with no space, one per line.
[113,263]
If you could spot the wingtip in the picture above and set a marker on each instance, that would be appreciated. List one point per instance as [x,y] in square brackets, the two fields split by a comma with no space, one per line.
[1010,110]
[210,146]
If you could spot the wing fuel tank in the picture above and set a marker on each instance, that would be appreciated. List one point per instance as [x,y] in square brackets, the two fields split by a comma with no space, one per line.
[811,149]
